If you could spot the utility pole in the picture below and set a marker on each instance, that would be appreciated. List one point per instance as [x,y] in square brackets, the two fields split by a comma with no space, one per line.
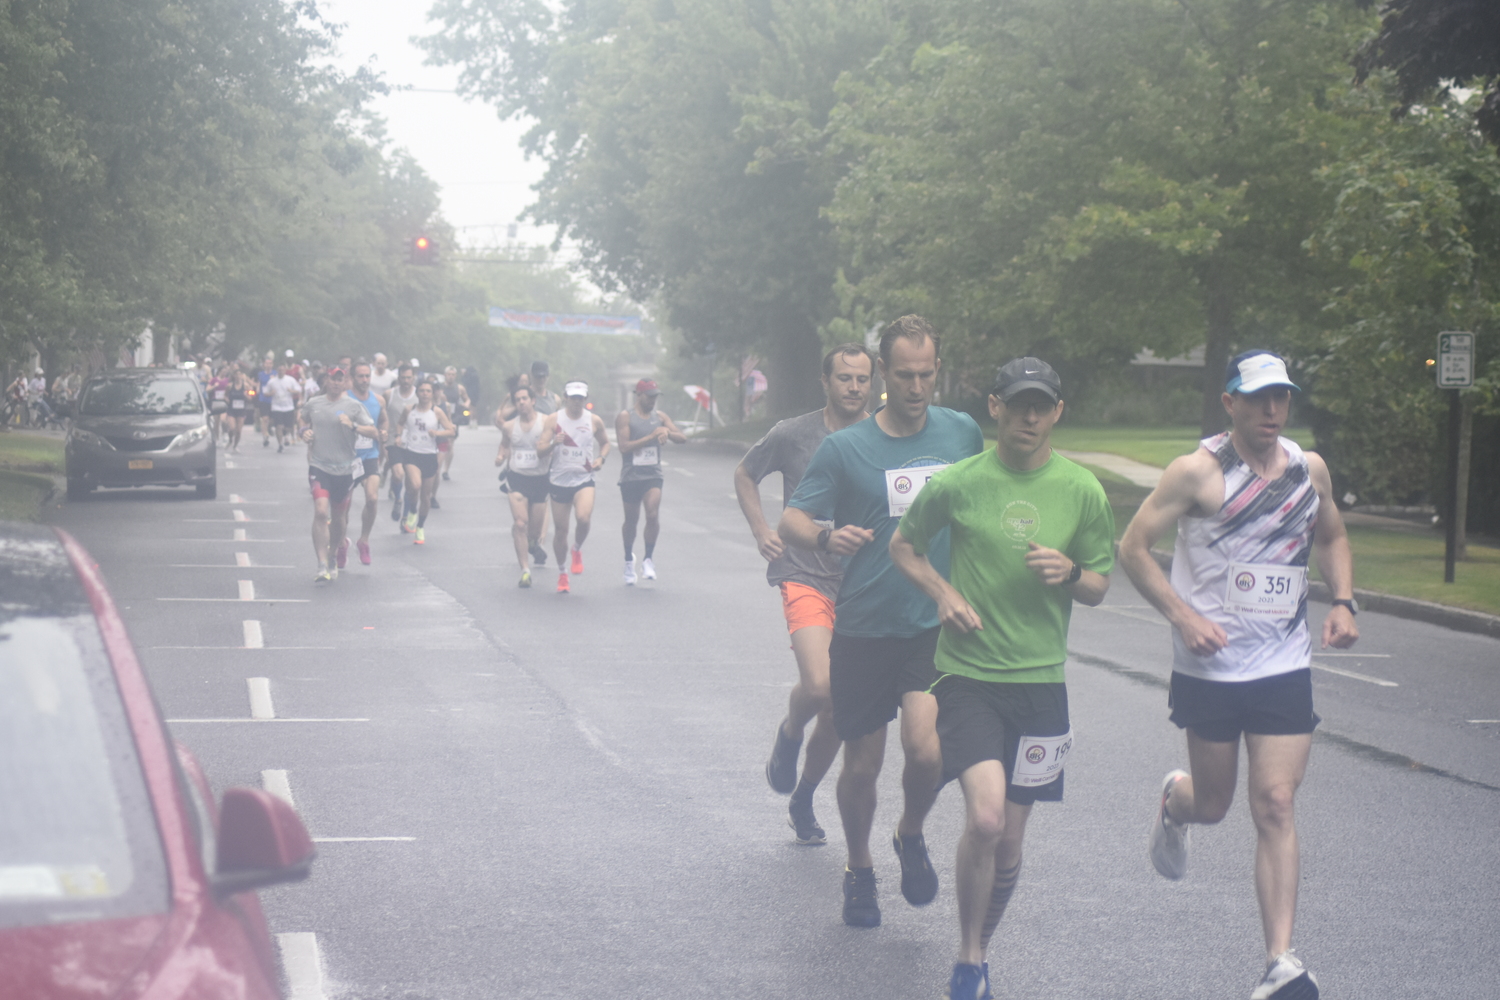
[1455,372]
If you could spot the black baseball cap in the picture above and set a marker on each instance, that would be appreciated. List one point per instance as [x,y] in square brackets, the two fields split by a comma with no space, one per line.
[541,368]
[1026,373]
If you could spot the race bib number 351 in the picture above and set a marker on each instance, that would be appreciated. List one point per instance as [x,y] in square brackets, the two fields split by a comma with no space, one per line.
[1265,590]
[1039,759]
[903,485]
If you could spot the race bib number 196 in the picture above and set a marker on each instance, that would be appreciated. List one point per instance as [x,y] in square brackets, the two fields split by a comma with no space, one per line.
[903,485]
[1039,759]
[1265,590]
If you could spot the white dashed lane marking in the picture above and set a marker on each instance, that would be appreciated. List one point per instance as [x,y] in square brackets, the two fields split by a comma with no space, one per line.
[253,637]
[277,784]
[260,698]
[303,965]
[247,590]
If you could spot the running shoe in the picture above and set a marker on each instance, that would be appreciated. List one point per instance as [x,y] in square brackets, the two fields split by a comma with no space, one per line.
[1169,839]
[266,443]
[648,569]
[323,576]
[1286,979]
[861,907]
[421,538]
[445,477]
[364,551]
[968,982]
[280,447]
[630,573]
[341,558]
[538,555]
[781,769]
[525,583]
[333,572]
[396,509]
[577,566]
[919,881]
[434,505]
[801,819]
[410,523]
[562,583]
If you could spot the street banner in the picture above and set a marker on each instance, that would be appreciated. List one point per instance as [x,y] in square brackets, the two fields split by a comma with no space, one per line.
[548,322]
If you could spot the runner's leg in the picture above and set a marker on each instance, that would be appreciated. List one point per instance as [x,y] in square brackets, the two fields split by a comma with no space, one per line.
[338,524]
[652,503]
[320,534]
[991,841]
[536,524]
[371,486]
[427,487]
[520,512]
[560,512]
[1205,795]
[627,529]
[583,514]
[810,700]
[924,760]
[1274,770]
[857,795]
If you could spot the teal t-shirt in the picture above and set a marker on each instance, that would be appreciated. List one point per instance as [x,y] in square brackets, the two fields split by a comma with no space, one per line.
[992,512]
[863,476]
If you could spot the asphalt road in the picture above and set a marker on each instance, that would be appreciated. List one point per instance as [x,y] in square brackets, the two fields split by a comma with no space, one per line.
[580,779]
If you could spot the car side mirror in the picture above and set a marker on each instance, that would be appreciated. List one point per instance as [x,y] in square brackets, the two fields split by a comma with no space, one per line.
[261,842]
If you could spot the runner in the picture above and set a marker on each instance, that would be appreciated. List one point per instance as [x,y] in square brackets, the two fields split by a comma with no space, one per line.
[284,391]
[506,412]
[458,410]
[577,434]
[1250,509]
[862,479]
[369,457]
[240,396]
[642,432]
[1031,533]
[331,423]
[382,378]
[263,398]
[545,401]
[418,434]
[397,402]
[809,581]
[218,401]
[526,464]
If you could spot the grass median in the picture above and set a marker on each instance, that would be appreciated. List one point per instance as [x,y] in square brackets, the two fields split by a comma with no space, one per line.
[27,462]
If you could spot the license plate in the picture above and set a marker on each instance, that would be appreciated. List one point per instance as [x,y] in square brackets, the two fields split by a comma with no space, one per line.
[140,463]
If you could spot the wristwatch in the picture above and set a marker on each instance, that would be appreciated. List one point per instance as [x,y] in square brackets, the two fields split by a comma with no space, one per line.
[1347,602]
[823,538]
[1074,576]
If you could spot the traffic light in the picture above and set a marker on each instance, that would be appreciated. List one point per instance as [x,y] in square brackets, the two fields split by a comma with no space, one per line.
[423,250]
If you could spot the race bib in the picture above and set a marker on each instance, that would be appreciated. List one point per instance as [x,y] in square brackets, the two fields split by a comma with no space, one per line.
[1265,590]
[236,404]
[1039,759]
[523,458]
[649,455]
[570,454]
[219,394]
[903,485]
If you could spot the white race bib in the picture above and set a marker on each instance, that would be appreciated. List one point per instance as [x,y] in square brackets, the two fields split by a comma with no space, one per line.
[649,455]
[219,394]
[903,485]
[570,454]
[1039,759]
[1265,590]
[523,458]
[236,404]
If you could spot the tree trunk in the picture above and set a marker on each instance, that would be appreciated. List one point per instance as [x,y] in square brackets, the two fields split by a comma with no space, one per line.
[793,363]
[1216,350]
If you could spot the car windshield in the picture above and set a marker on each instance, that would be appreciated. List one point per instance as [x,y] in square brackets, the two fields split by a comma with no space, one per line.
[128,397]
[78,835]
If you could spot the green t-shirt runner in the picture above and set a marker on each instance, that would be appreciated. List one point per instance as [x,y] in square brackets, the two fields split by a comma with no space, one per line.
[993,512]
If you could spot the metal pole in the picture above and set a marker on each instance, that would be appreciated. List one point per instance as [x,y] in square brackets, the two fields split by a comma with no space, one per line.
[1451,520]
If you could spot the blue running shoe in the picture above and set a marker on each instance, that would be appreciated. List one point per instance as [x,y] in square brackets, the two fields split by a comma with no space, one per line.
[968,982]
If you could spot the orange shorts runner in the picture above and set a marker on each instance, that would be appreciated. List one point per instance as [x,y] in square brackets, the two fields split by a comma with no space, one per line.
[804,606]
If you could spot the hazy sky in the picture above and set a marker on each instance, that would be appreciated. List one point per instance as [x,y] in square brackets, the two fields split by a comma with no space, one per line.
[462,145]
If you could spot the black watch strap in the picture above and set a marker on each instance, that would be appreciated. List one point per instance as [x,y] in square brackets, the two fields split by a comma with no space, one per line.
[1077,573]
[823,538]
[1347,602]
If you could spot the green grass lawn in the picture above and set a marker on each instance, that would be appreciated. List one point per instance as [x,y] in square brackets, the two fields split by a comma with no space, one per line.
[1411,564]
[1151,445]
[21,495]
[23,452]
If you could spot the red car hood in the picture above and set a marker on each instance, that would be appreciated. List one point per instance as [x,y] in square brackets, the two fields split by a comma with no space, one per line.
[82,960]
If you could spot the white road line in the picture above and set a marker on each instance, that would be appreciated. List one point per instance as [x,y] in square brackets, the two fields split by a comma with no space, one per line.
[596,741]
[1484,722]
[240,600]
[260,698]
[236,498]
[1115,610]
[273,649]
[247,590]
[237,520]
[281,719]
[678,468]
[277,784]
[360,840]
[1359,677]
[1359,656]
[239,515]
[302,964]
[253,637]
[231,565]
[239,534]
[242,559]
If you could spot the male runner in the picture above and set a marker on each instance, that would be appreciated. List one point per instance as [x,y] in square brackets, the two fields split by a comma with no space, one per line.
[331,423]
[527,465]
[1250,508]
[383,377]
[863,478]
[545,401]
[285,392]
[397,402]
[369,457]
[809,581]
[642,432]
[1031,533]
[263,398]
[579,448]
[418,434]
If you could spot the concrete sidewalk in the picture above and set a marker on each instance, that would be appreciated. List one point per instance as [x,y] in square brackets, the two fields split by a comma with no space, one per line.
[1137,472]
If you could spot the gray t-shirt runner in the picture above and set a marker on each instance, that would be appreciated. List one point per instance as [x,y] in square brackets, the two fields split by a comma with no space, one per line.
[333,445]
[787,448]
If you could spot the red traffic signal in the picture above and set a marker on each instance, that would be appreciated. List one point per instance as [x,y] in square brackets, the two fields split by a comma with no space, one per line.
[423,250]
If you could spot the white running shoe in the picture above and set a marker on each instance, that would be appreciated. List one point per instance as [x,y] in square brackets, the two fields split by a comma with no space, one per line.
[1286,979]
[1169,839]
[648,569]
[630,573]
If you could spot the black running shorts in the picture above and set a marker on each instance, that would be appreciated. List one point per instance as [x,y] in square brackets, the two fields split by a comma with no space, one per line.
[369,467]
[395,455]
[533,488]
[867,678]
[284,418]
[1218,711]
[426,464]
[565,494]
[325,484]
[984,720]
[635,490]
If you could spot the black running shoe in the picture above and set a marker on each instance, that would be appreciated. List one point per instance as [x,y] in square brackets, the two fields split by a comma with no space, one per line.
[434,505]
[919,882]
[861,909]
[781,769]
[801,819]
[538,556]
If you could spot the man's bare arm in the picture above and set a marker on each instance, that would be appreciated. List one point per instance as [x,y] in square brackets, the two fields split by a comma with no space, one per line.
[603,441]
[1335,559]
[673,434]
[953,611]
[798,528]
[747,491]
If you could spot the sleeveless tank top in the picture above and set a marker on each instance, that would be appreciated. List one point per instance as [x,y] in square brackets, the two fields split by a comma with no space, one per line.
[524,460]
[1245,569]
[368,447]
[645,461]
[399,405]
[418,438]
[573,450]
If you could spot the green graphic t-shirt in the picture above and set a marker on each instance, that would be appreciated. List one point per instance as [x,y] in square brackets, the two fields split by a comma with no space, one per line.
[993,512]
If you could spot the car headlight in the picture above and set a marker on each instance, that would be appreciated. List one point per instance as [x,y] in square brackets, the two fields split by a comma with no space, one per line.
[190,437]
[91,439]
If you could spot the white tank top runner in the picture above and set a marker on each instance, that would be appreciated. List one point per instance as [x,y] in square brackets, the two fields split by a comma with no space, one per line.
[1245,569]
[418,438]
[524,460]
[573,450]
[399,406]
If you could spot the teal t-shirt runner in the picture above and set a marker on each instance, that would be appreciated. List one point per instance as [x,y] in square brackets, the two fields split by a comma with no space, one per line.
[863,476]
[992,512]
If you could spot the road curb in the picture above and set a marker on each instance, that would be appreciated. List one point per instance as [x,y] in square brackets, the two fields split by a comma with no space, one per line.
[1457,619]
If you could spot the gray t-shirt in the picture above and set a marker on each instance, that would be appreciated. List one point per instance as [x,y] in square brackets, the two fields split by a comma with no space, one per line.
[787,448]
[333,445]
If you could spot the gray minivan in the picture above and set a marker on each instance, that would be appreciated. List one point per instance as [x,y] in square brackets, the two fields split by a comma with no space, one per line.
[141,427]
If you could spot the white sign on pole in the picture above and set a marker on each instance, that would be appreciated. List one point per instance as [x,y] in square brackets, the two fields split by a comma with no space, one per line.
[1455,360]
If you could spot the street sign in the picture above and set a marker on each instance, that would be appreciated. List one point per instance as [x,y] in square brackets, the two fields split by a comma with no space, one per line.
[1455,360]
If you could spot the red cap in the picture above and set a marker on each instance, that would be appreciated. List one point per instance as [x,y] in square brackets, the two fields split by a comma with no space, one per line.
[648,386]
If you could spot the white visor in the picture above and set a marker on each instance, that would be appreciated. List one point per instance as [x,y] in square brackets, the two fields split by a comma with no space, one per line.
[1260,371]
[576,389]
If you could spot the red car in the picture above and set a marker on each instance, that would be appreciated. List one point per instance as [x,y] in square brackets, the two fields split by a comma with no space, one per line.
[119,878]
